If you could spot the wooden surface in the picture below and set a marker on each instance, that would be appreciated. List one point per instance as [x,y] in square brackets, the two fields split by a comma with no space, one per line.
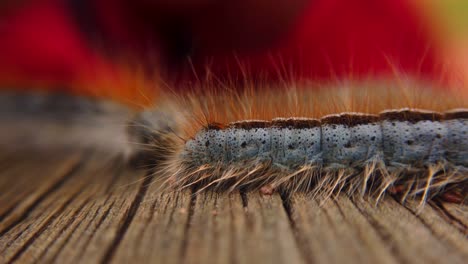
[85,208]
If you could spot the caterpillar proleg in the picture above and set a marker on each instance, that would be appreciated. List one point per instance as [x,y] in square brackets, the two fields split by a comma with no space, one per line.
[404,151]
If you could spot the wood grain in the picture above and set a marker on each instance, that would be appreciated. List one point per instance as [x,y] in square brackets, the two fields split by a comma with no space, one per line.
[89,208]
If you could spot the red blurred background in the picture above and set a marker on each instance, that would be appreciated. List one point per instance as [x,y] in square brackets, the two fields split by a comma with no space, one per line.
[119,49]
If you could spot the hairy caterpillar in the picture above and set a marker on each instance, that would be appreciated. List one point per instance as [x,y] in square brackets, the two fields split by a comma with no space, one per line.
[378,142]
[381,149]
[348,150]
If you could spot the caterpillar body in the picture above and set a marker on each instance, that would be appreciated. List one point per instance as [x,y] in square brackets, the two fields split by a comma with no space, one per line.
[405,151]
[398,137]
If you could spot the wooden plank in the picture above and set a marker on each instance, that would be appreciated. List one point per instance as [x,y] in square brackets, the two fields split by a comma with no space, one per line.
[15,184]
[157,233]
[51,231]
[409,239]
[222,230]
[96,210]
[96,228]
[28,183]
[445,230]
[20,226]
[336,232]
[271,227]
[209,228]
[105,229]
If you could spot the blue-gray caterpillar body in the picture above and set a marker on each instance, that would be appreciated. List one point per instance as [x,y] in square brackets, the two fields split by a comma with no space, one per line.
[399,137]
[425,152]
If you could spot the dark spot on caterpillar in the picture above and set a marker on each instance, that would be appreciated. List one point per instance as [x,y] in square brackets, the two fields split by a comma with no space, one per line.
[244,144]
[347,145]
[438,136]
[263,142]
[207,143]
[393,124]
[372,138]
[290,146]
[409,142]
[328,139]
[334,126]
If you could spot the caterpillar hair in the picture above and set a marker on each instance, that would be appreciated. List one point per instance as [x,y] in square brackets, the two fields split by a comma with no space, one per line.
[362,139]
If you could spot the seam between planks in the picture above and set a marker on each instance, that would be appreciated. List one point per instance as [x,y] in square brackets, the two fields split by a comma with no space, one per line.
[440,208]
[383,234]
[36,234]
[306,254]
[85,228]
[435,234]
[128,218]
[68,223]
[184,246]
[245,201]
[101,219]
[72,220]
[54,187]
[54,257]
[7,212]
[233,258]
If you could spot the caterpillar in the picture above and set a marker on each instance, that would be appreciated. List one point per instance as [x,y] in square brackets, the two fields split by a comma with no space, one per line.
[360,139]
[402,151]
[346,149]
